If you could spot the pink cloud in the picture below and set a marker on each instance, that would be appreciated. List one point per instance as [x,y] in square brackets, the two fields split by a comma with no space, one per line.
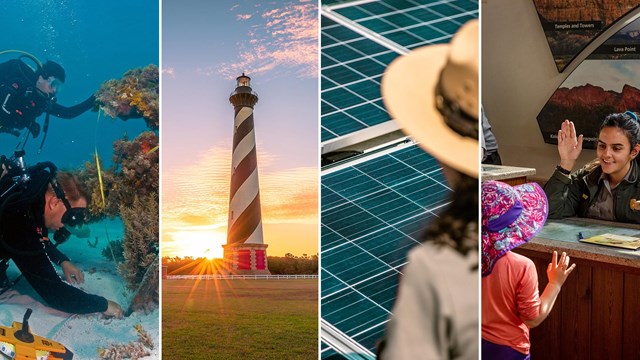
[243,17]
[288,40]
[169,71]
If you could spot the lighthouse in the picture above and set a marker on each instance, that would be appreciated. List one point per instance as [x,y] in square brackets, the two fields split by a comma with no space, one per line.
[245,251]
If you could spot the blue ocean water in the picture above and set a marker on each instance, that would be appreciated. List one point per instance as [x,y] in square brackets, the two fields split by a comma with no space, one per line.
[94,41]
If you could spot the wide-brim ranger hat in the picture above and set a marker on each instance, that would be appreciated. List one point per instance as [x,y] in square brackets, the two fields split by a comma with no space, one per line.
[511,216]
[433,94]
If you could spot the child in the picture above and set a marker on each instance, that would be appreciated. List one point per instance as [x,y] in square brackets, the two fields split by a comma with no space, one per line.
[606,188]
[511,216]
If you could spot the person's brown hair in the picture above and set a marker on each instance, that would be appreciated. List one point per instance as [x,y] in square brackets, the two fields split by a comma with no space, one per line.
[457,225]
[73,189]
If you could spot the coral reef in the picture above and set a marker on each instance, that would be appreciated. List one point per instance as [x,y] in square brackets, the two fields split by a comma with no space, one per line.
[114,251]
[133,350]
[131,192]
[135,95]
[140,268]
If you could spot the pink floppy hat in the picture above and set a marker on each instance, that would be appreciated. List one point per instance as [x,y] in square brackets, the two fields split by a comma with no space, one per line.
[511,216]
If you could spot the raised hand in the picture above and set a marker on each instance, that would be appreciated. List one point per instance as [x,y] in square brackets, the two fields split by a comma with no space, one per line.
[569,145]
[558,271]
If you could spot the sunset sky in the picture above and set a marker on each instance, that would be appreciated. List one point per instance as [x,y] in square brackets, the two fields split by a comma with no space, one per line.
[206,45]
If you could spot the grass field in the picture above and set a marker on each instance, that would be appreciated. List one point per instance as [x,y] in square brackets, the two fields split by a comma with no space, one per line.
[240,319]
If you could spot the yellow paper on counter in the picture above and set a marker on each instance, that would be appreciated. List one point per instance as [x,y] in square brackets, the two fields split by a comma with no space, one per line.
[621,241]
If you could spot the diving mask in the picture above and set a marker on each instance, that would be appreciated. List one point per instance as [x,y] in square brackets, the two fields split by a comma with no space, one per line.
[74,216]
[54,83]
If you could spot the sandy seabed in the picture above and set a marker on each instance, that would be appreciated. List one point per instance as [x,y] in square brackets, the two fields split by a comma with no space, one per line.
[83,334]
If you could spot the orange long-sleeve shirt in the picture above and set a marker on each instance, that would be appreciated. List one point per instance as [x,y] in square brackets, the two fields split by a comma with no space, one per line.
[510,294]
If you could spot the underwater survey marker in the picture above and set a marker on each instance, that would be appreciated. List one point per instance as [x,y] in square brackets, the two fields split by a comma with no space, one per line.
[245,251]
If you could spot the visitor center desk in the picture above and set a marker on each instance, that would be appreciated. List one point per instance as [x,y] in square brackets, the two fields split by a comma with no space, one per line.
[511,175]
[597,314]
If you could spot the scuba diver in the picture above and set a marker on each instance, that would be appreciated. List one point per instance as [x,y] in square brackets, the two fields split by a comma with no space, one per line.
[33,201]
[26,94]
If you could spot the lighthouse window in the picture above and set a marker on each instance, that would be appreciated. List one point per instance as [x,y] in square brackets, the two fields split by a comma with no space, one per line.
[231,214]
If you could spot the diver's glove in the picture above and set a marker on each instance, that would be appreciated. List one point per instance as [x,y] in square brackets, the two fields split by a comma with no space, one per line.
[34,129]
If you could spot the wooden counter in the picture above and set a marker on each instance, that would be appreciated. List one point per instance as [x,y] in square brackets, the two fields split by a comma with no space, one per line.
[511,175]
[597,314]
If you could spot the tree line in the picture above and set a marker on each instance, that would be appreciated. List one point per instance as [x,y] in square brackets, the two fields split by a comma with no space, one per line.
[288,264]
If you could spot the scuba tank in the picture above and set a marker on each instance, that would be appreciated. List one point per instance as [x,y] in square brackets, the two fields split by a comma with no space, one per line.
[19,185]
[45,105]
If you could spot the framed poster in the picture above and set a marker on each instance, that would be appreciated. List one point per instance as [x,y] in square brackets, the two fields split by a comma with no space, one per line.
[608,81]
[569,25]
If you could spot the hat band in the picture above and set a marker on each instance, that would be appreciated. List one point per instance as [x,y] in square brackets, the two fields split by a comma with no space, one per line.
[505,219]
[456,118]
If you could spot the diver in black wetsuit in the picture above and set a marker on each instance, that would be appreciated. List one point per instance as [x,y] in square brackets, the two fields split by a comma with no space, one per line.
[26,94]
[47,202]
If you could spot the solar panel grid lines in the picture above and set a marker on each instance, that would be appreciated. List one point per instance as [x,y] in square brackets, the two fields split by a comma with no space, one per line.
[361,262]
[348,61]
[352,209]
[374,173]
[433,168]
[372,235]
[350,290]
[368,263]
[365,32]
[392,270]
[360,314]
[408,24]
[398,37]
[350,72]
[400,217]
[338,250]
[359,230]
[373,324]
[350,90]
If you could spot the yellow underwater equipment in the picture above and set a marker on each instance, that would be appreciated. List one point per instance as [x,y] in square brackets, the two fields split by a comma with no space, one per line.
[95,140]
[17,342]
[104,203]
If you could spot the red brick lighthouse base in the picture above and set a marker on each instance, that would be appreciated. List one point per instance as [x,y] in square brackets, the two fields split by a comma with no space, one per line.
[246,259]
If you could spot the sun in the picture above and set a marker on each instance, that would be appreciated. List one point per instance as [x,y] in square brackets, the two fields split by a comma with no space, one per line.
[210,255]
[198,243]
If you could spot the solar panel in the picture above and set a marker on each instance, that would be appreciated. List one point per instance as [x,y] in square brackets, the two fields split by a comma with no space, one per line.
[373,208]
[358,40]
[373,211]
[350,81]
